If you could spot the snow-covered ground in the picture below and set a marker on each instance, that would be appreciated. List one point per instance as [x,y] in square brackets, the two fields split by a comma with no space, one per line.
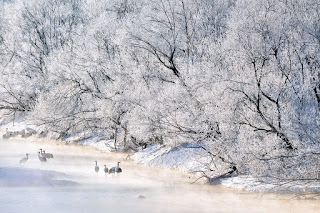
[84,138]
[189,159]
[182,158]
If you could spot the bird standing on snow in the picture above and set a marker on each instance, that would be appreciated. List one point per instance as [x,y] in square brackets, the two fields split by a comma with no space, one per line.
[41,158]
[23,160]
[105,169]
[96,168]
[116,169]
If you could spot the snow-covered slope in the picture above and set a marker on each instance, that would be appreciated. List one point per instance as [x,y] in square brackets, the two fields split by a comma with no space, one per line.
[188,159]
[182,157]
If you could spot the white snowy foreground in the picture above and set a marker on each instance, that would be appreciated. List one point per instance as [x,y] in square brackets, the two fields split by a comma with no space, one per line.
[68,183]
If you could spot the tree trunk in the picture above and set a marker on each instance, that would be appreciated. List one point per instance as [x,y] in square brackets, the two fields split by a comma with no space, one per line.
[125,137]
[115,138]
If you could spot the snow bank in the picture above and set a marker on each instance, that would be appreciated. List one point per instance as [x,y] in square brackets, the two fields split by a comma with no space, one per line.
[182,157]
[270,185]
[25,129]
[89,140]
[188,159]
[14,176]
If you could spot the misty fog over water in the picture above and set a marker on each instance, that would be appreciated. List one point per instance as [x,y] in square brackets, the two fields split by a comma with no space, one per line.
[68,183]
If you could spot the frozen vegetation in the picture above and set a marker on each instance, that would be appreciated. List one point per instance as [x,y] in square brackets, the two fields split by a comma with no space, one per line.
[228,89]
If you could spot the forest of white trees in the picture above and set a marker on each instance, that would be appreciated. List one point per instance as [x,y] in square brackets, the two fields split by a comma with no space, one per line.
[240,79]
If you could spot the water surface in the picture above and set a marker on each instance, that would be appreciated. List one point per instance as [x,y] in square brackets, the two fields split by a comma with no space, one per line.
[68,183]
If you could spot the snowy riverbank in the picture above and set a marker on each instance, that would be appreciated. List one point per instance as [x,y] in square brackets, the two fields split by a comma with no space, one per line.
[85,138]
[185,158]
[189,159]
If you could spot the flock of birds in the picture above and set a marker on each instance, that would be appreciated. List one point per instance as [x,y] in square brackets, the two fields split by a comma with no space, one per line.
[113,170]
[44,156]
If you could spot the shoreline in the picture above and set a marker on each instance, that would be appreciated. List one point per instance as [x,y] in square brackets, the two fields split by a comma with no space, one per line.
[179,158]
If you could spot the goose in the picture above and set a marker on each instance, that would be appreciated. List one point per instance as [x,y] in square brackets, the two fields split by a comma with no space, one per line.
[46,155]
[115,169]
[41,158]
[23,160]
[96,168]
[105,169]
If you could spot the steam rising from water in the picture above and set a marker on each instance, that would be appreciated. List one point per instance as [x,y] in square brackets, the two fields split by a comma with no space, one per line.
[15,176]
[68,183]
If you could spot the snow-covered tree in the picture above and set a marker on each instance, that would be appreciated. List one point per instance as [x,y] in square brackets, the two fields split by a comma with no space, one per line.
[271,86]
[237,78]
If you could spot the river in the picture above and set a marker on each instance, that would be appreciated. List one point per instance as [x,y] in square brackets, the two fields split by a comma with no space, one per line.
[68,183]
